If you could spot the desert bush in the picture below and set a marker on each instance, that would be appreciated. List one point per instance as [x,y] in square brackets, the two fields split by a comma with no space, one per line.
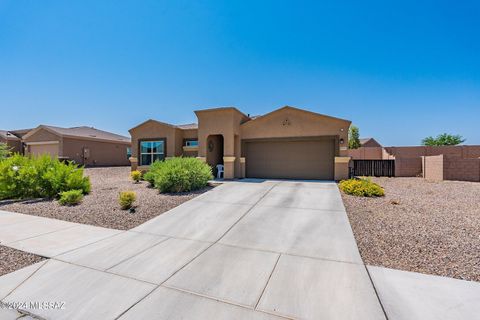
[150,174]
[70,198]
[62,176]
[39,177]
[180,174]
[126,199]
[4,151]
[136,176]
[361,188]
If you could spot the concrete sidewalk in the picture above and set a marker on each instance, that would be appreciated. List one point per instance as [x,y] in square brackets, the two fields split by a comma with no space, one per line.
[410,295]
[245,250]
[47,237]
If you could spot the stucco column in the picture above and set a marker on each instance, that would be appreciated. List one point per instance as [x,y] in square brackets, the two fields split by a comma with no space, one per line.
[242,168]
[342,168]
[134,163]
[229,167]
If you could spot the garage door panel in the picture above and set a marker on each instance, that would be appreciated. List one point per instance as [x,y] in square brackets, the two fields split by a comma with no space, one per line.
[311,159]
[41,149]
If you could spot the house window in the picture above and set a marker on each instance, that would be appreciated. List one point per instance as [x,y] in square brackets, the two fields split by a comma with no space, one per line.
[150,151]
[129,152]
[191,143]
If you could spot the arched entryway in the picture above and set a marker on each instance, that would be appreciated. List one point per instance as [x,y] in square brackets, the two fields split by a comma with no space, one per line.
[215,151]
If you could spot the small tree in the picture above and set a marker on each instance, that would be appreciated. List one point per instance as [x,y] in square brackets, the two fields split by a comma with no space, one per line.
[443,139]
[4,151]
[353,138]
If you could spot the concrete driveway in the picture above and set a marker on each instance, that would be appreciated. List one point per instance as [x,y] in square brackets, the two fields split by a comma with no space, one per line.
[245,250]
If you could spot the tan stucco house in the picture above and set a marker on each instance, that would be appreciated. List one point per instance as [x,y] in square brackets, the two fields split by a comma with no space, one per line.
[83,145]
[285,143]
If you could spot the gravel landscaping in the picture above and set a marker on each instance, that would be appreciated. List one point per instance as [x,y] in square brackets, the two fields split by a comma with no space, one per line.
[421,226]
[101,207]
[12,260]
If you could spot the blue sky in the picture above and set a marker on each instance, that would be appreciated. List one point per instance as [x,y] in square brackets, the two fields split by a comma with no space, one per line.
[399,70]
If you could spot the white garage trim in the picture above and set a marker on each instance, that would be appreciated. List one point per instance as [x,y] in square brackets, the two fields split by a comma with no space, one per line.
[41,142]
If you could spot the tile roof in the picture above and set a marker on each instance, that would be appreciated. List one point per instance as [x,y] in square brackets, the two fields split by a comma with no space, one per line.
[187,126]
[11,136]
[21,132]
[88,132]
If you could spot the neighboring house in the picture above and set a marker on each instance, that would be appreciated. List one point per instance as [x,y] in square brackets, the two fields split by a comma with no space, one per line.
[369,143]
[11,140]
[21,132]
[285,143]
[84,145]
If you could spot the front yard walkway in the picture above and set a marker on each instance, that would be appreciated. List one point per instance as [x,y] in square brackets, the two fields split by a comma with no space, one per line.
[47,237]
[245,250]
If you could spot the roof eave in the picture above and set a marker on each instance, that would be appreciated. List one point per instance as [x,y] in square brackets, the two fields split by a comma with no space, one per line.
[152,120]
[220,109]
[95,139]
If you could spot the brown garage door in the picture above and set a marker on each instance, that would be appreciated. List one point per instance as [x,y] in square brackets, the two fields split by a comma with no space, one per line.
[290,159]
[41,149]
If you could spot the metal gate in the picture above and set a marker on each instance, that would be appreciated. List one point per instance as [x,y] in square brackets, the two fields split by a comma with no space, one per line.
[376,168]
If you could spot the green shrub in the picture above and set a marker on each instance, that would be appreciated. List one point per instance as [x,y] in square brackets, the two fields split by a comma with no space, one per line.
[4,151]
[361,188]
[71,197]
[39,177]
[64,177]
[150,174]
[179,174]
[126,199]
[136,176]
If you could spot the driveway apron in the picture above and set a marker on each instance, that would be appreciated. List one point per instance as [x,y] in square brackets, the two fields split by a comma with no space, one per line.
[250,249]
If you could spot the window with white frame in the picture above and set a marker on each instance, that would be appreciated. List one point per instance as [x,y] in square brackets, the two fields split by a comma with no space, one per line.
[150,151]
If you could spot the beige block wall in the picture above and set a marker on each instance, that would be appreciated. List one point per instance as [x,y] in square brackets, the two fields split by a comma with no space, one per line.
[462,169]
[366,153]
[433,168]
[408,167]
[451,168]
[407,163]
[472,151]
